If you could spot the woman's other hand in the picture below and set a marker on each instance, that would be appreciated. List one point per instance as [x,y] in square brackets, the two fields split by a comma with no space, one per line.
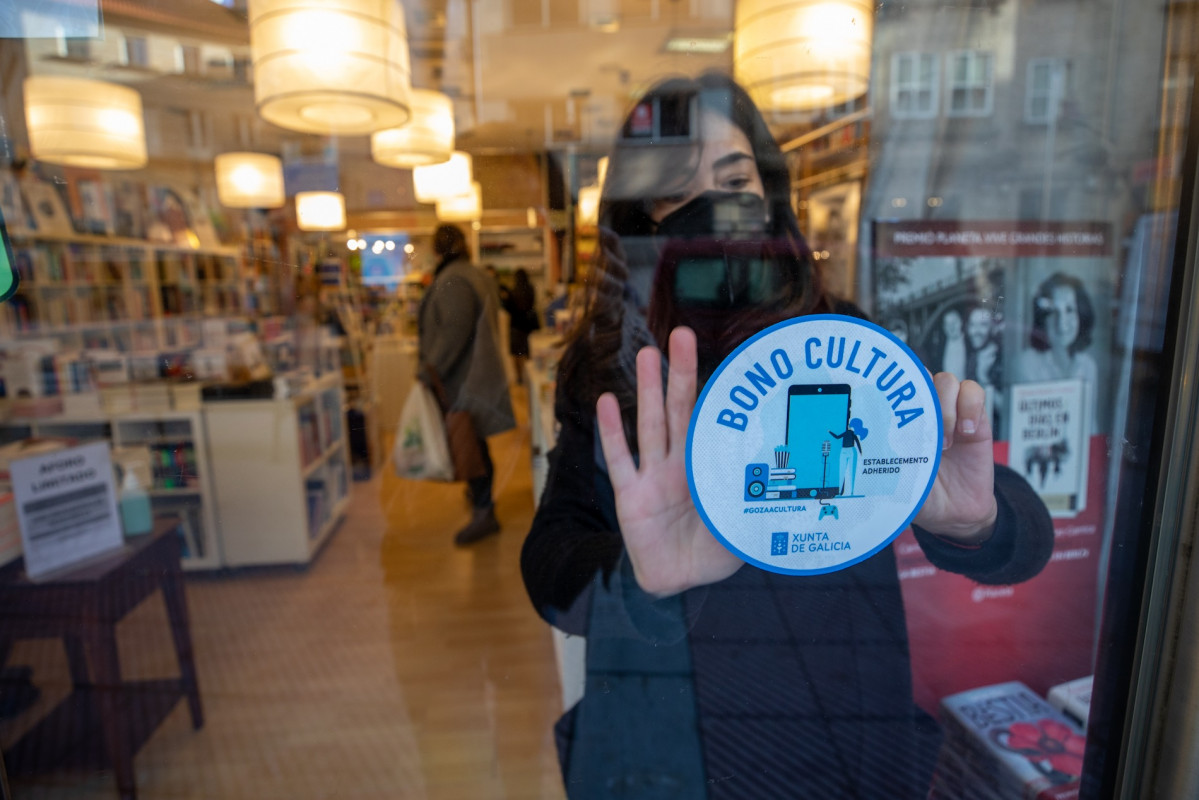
[961,504]
[667,543]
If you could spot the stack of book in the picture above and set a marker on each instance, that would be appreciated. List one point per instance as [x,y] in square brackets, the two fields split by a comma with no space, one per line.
[1005,742]
[1074,699]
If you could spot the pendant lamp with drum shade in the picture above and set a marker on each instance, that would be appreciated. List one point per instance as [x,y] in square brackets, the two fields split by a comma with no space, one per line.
[427,138]
[331,66]
[798,55]
[320,211]
[439,181]
[589,199]
[249,180]
[79,122]
[462,208]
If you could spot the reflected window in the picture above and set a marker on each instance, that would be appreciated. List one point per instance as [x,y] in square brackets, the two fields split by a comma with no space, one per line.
[914,85]
[971,87]
[1044,89]
[136,52]
[187,59]
[73,48]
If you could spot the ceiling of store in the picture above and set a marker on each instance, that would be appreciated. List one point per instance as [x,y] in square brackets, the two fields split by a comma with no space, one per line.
[524,74]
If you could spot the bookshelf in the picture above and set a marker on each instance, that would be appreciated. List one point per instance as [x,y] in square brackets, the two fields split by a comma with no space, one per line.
[511,248]
[129,295]
[172,446]
[282,471]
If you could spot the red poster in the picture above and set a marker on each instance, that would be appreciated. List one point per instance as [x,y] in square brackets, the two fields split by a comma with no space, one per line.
[1041,632]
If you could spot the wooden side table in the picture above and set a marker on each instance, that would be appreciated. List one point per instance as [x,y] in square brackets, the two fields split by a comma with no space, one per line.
[82,607]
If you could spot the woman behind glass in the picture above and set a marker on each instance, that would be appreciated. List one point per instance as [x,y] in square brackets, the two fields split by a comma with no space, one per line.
[707,677]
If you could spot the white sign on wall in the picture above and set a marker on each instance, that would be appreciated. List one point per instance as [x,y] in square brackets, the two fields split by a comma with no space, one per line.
[66,507]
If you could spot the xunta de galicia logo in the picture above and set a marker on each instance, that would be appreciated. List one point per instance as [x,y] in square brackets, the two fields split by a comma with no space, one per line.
[814,444]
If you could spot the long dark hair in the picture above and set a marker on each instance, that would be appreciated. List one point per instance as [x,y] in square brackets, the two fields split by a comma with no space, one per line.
[603,346]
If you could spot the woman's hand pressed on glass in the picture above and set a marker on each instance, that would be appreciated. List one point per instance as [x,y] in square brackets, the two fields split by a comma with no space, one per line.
[961,505]
[668,545]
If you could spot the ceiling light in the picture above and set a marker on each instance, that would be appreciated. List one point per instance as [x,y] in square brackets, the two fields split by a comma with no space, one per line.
[390,245]
[362,244]
[337,68]
[409,248]
[321,211]
[802,54]
[451,179]
[427,138]
[589,197]
[377,247]
[84,123]
[352,244]
[249,180]
[461,208]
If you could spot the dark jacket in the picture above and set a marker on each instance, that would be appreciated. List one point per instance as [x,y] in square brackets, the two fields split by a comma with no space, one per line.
[459,339]
[759,686]
[519,302]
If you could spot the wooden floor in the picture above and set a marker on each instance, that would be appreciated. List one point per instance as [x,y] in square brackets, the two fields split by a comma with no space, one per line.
[395,666]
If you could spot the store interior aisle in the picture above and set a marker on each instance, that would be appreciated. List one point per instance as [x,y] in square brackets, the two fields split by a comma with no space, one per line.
[395,666]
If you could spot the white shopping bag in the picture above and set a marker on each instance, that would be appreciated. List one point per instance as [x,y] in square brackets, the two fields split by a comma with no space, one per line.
[421,451]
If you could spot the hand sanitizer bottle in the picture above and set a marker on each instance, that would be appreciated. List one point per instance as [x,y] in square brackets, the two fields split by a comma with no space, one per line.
[135,506]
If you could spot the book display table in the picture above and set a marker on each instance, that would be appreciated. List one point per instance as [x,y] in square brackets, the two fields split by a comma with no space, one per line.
[104,721]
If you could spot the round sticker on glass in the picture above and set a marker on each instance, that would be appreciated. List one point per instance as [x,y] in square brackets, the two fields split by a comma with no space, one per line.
[814,444]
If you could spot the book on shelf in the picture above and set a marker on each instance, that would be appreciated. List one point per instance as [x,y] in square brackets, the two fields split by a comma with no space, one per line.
[48,210]
[151,398]
[310,443]
[1004,742]
[90,201]
[190,511]
[1073,699]
[116,399]
[12,205]
[174,465]
[10,531]
[317,494]
[128,209]
[84,404]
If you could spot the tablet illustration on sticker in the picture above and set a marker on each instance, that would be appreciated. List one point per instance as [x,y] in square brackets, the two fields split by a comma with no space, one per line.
[814,444]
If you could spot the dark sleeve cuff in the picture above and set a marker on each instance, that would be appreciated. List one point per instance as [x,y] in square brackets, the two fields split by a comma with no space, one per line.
[658,621]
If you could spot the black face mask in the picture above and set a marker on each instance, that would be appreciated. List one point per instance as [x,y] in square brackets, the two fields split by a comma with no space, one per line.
[715,253]
[720,273]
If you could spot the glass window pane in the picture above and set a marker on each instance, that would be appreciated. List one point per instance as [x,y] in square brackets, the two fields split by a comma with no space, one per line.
[961,68]
[1040,77]
[327,321]
[928,67]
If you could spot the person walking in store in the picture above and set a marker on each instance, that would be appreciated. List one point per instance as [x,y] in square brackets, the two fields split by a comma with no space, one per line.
[707,677]
[520,303]
[459,345]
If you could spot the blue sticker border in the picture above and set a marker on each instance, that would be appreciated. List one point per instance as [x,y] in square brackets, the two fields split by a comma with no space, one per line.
[928,379]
